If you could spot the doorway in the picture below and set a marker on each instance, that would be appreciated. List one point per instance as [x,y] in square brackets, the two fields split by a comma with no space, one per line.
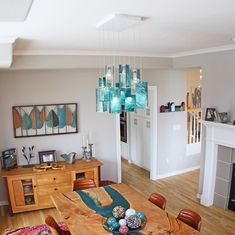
[194,111]
[138,134]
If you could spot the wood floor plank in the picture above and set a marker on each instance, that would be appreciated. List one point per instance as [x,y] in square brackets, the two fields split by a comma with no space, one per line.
[180,192]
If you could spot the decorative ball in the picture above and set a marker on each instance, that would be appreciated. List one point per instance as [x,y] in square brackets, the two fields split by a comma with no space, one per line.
[140,215]
[133,221]
[122,222]
[130,212]
[119,212]
[111,220]
[123,230]
[115,226]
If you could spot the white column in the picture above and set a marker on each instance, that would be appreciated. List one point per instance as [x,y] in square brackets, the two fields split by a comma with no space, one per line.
[211,149]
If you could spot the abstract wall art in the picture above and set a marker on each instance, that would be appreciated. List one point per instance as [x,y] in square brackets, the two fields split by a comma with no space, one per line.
[46,119]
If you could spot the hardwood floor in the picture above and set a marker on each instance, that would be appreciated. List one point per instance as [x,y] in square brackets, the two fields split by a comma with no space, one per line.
[180,192]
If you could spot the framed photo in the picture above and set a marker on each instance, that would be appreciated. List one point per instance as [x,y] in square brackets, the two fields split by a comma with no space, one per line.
[47,156]
[210,114]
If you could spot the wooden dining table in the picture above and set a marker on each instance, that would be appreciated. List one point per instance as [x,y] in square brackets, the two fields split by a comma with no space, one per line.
[82,220]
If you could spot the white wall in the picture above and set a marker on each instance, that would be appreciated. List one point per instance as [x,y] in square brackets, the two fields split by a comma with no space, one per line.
[218,83]
[172,127]
[58,86]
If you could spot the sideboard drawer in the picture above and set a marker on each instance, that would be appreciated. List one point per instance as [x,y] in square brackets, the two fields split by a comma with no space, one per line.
[57,178]
[45,190]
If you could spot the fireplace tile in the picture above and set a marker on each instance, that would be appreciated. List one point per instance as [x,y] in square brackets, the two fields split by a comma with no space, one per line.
[220,201]
[224,170]
[222,187]
[225,154]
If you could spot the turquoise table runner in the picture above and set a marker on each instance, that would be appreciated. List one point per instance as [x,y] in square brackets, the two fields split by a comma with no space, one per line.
[105,211]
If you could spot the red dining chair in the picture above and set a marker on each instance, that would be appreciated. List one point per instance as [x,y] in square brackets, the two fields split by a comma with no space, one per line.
[190,218]
[83,183]
[158,200]
[61,229]
[106,182]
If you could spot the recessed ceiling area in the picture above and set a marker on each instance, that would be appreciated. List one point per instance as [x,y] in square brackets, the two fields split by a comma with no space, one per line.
[14,10]
[172,28]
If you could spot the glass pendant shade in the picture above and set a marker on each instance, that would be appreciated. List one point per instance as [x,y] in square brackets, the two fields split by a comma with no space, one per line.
[129,92]
[109,75]
[115,100]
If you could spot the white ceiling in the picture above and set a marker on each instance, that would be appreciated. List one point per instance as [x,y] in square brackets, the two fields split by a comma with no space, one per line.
[172,27]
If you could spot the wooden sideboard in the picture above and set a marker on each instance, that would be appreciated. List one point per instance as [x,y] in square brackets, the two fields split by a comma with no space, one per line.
[29,190]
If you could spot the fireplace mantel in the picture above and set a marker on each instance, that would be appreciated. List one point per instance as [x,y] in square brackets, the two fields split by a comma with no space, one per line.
[216,134]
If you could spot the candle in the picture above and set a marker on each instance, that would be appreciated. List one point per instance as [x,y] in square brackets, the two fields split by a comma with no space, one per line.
[83,141]
[90,138]
[87,145]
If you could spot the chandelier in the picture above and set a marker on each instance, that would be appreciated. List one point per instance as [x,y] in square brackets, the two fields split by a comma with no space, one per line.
[127,94]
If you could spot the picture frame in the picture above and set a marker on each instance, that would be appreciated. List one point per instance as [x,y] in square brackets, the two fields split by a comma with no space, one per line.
[45,119]
[211,114]
[9,159]
[47,156]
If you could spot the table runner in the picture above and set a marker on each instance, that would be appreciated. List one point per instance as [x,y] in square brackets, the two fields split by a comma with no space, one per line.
[105,211]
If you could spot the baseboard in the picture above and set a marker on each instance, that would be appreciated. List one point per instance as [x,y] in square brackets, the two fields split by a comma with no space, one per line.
[3,203]
[177,172]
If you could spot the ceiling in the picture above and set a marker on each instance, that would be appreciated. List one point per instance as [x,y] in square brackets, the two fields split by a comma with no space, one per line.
[171,27]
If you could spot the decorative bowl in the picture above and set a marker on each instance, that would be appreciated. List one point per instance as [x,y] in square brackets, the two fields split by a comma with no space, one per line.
[27,188]
[142,226]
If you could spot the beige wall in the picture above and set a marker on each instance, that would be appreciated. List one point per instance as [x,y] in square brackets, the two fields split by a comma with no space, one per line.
[218,81]
[58,86]
[172,127]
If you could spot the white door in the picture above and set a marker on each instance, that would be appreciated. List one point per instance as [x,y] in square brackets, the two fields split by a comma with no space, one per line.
[141,135]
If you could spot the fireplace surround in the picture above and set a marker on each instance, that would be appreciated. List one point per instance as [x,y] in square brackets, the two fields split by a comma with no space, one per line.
[215,134]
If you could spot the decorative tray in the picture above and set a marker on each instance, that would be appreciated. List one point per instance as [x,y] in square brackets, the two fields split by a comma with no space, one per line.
[130,231]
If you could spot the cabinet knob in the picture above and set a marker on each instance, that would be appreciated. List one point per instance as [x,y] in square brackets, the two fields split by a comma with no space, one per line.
[55,189]
[54,178]
[35,186]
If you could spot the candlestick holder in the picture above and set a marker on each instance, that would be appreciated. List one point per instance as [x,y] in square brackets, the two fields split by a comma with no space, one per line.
[87,153]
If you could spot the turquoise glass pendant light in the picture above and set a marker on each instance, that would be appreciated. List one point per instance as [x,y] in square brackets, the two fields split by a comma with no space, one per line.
[129,93]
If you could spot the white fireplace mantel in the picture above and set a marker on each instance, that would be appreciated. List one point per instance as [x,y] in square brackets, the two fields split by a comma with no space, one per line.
[216,134]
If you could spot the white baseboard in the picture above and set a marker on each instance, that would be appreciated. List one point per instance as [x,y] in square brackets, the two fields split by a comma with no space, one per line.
[3,203]
[177,172]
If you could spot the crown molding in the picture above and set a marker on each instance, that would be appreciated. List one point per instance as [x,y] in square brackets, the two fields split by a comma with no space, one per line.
[204,51]
[122,53]
[88,53]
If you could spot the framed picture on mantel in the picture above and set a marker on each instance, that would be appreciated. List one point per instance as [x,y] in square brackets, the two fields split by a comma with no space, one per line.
[210,114]
[45,119]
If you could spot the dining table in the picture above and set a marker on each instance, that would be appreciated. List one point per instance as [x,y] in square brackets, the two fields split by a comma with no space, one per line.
[85,211]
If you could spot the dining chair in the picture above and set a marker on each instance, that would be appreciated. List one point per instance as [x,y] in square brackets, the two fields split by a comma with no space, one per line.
[60,227]
[106,182]
[83,183]
[190,218]
[158,200]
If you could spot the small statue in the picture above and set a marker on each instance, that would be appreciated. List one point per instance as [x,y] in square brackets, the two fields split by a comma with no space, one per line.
[69,158]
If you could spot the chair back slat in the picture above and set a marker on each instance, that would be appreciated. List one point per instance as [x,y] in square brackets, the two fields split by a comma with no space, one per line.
[158,200]
[191,218]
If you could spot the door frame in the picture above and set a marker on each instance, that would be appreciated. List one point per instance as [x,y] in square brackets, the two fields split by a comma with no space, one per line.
[153,157]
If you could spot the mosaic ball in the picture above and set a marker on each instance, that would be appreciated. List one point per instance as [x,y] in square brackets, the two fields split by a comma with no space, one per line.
[130,212]
[123,230]
[119,212]
[115,226]
[140,215]
[133,221]
[111,220]
[122,222]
